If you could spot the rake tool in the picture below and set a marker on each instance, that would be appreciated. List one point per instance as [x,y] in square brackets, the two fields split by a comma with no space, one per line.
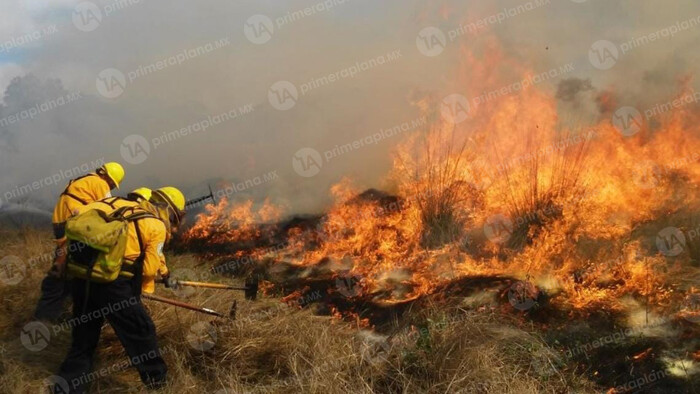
[250,288]
[232,314]
[196,201]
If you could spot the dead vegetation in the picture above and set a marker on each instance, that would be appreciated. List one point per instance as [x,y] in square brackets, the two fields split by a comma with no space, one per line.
[276,348]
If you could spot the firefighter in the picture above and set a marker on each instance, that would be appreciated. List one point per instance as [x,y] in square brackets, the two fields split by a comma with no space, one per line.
[161,200]
[79,192]
[154,202]
[159,207]
[140,195]
[133,326]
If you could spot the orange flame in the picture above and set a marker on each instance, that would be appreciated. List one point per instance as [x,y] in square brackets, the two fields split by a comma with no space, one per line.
[508,191]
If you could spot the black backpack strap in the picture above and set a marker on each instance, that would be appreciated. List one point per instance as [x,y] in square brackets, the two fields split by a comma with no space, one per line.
[142,255]
[134,215]
[122,213]
[79,178]
[73,196]
[138,264]
[110,201]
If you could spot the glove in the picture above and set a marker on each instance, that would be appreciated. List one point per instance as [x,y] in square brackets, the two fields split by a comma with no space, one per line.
[58,269]
[170,283]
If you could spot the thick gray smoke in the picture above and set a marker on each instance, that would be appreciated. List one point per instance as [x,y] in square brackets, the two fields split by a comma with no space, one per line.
[192,93]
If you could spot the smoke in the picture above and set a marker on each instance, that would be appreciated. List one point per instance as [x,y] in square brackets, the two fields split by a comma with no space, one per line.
[569,89]
[189,67]
[577,106]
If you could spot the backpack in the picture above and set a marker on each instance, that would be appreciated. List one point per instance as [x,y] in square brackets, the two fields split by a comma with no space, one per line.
[97,244]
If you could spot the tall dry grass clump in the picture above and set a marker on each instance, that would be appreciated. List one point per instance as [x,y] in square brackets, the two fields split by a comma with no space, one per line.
[433,171]
[540,182]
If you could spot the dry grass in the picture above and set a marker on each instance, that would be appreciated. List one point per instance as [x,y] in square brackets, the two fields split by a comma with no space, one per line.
[536,192]
[273,348]
[432,173]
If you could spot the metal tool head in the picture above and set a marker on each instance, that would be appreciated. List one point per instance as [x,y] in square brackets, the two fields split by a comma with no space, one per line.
[198,200]
[251,288]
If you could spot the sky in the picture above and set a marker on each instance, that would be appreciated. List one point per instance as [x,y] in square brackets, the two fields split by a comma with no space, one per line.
[192,94]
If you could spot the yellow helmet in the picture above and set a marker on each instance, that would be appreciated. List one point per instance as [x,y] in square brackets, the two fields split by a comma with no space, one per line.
[174,199]
[114,171]
[143,192]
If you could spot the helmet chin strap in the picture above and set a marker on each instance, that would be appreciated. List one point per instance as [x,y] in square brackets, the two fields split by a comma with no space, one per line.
[102,173]
[171,215]
[173,212]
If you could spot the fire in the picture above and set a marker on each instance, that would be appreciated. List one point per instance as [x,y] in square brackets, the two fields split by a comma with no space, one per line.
[507,189]
[643,355]
[376,239]
[225,223]
[290,298]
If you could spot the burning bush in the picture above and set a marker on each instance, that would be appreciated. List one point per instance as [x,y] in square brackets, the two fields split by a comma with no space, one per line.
[430,172]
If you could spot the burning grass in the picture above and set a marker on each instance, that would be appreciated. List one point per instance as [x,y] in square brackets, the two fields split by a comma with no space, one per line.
[510,191]
[509,219]
[276,348]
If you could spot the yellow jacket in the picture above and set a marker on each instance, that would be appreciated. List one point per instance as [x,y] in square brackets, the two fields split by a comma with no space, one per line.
[153,235]
[79,192]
